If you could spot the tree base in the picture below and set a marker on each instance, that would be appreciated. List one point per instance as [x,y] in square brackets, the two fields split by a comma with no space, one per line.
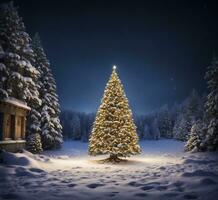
[112,159]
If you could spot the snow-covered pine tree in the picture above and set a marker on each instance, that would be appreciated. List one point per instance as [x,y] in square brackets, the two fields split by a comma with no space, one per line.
[114,131]
[194,144]
[147,132]
[21,79]
[4,72]
[34,143]
[75,127]
[65,118]
[50,123]
[18,54]
[190,112]
[165,123]
[138,119]
[174,112]
[155,129]
[211,140]
[192,107]
[33,130]
[181,130]
[89,122]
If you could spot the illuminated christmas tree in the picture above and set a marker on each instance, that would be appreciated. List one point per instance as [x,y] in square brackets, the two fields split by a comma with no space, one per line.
[114,131]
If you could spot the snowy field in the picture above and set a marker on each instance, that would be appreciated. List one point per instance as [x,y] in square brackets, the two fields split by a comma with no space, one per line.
[162,171]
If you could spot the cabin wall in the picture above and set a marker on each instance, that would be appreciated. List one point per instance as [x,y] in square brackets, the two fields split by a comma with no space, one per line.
[12,127]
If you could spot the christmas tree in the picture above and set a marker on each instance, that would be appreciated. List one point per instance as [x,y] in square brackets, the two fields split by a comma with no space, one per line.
[114,131]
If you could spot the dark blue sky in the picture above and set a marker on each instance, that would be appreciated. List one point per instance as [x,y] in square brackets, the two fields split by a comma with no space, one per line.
[161,48]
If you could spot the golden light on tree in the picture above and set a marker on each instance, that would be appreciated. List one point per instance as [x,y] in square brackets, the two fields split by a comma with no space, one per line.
[114,131]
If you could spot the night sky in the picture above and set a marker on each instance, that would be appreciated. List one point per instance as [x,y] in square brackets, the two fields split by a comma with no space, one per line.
[161,48]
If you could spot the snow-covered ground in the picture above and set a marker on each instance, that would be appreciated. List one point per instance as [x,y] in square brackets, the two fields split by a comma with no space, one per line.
[162,171]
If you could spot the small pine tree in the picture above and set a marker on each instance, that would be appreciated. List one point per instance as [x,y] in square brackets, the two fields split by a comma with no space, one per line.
[76,128]
[114,131]
[211,139]
[193,106]
[194,144]
[34,144]
[147,132]
[165,123]
[181,130]
[51,134]
[155,129]
[140,126]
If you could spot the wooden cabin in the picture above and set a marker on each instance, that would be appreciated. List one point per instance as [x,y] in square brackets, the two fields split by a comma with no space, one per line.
[13,124]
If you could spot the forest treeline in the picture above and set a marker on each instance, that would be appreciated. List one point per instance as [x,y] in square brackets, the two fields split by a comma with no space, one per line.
[166,122]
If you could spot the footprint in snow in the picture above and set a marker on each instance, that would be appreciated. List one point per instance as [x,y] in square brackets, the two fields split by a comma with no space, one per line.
[71,185]
[190,196]
[161,187]
[23,172]
[134,184]
[37,170]
[162,168]
[199,173]
[207,181]
[94,185]
[147,187]
[26,184]
[178,183]
[171,194]
[84,177]
[65,181]
[140,194]
[10,196]
[112,194]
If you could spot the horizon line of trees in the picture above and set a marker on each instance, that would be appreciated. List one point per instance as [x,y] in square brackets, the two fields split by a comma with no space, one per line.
[165,122]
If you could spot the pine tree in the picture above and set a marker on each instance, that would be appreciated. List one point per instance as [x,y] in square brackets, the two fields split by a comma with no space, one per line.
[147,132]
[88,127]
[192,107]
[194,144]
[20,74]
[4,72]
[155,129]
[114,132]
[50,123]
[211,139]
[140,126]
[18,54]
[190,112]
[181,130]
[165,123]
[76,128]
[34,143]
[33,132]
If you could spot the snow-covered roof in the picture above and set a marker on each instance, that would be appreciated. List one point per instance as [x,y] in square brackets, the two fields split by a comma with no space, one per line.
[16,102]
